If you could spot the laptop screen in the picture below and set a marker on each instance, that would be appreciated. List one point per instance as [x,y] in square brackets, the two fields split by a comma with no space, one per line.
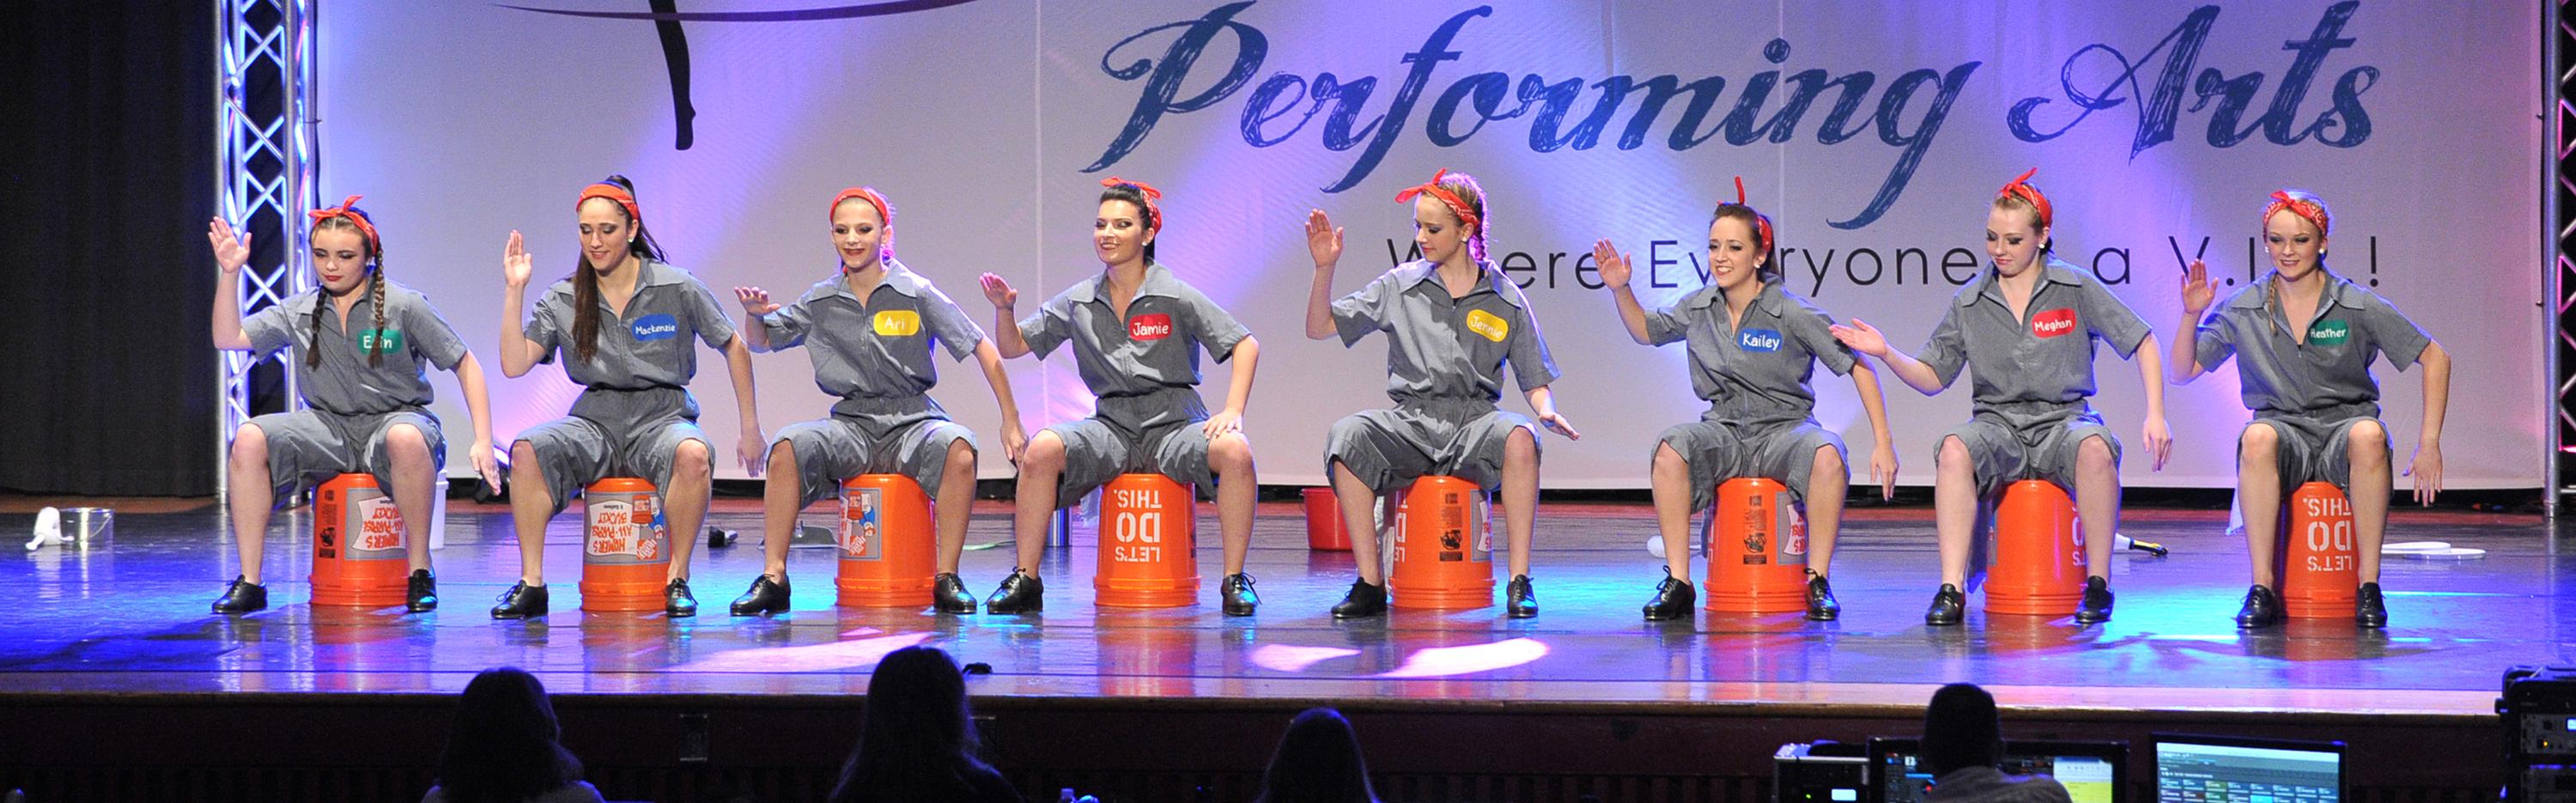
[2224,770]
[2090,771]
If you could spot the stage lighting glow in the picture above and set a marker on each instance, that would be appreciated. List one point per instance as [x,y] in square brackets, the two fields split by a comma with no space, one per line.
[1438,662]
[810,658]
[1285,658]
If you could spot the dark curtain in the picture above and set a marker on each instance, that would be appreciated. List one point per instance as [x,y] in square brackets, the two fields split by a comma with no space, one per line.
[106,183]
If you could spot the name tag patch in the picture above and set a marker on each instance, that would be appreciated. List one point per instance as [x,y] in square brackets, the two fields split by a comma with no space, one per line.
[1149,327]
[656,327]
[1762,340]
[2329,333]
[1491,326]
[2053,323]
[897,323]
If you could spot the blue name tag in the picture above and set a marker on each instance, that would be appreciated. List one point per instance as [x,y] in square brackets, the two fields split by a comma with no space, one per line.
[657,327]
[1763,340]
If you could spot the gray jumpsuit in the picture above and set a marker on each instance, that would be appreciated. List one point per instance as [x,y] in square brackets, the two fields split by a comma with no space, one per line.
[635,408]
[2311,393]
[1761,410]
[876,356]
[2032,374]
[1444,365]
[1143,372]
[351,404]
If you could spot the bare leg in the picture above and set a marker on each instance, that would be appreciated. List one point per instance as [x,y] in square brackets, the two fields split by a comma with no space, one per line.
[1954,509]
[414,481]
[1673,509]
[1827,481]
[2368,447]
[1231,458]
[2097,504]
[2258,495]
[530,505]
[1040,467]
[252,495]
[956,502]
[778,509]
[1520,494]
[692,482]
[1359,517]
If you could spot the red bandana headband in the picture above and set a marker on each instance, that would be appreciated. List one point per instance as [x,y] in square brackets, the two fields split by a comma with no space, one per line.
[614,193]
[1151,195]
[885,216]
[1457,206]
[2303,207]
[2020,188]
[373,243]
[1763,224]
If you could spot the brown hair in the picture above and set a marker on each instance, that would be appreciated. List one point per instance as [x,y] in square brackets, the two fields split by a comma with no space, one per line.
[1760,224]
[375,288]
[1465,187]
[585,282]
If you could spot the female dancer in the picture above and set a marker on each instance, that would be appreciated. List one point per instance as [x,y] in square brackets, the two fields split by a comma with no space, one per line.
[869,329]
[625,318]
[1753,347]
[1452,321]
[363,345]
[1136,331]
[2025,330]
[2304,338]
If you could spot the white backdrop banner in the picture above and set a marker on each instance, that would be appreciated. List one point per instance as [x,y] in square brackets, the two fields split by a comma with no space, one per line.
[1874,133]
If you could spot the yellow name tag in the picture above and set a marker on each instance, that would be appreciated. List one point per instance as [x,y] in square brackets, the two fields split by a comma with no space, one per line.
[898,323]
[1485,323]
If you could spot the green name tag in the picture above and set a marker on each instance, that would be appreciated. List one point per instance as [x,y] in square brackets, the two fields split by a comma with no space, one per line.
[2329,333]
[367,339]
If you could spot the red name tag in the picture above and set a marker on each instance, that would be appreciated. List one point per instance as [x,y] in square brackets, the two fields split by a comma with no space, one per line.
[1149,327]
[2053,323]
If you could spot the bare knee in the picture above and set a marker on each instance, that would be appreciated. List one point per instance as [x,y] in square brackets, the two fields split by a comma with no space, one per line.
[2258,444]
[2367,444]
[406,443]
[961,457]
[1230,453]
[523,459]
[1668,461]
[1045,452]
[1829,460]
[1521,448]
[782,458]
[690,460]
[1953,458]
[2093,455]
[250,449]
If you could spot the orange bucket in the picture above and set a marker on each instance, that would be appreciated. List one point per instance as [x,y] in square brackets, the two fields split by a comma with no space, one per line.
[2039,553]
[1757,561]
[1443,551]
[626,546]
[886,539]
[2320,575]
[1148,542]
[1324,530]
[359,555]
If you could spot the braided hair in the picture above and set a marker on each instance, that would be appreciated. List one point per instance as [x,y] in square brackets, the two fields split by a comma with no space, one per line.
[585,281]
[1465,187]
[375,290]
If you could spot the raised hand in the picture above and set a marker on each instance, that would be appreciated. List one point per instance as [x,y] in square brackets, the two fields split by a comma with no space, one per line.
[999,292]
[516,265]
[231,252]
[1862,337]
[1323,240]
[1613,265]
[2197,295]
[755,301]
